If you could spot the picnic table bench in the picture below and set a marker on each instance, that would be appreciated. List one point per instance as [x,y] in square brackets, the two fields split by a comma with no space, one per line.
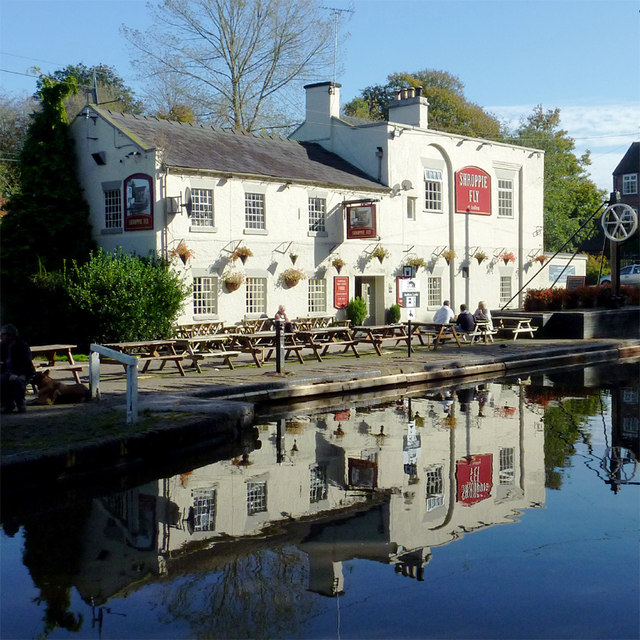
[377,335]
[514,326]
[482,332]
[203,347]
[49,351]
[321,339]
[148,351]
[205,328]
[436,333]
[262,344]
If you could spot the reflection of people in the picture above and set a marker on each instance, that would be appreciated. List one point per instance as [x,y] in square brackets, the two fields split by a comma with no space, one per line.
[465,321]
[281,314]
[483,313]
[444,315]
[17,369]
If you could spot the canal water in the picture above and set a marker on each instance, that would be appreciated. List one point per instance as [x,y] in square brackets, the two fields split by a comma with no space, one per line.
[500,509]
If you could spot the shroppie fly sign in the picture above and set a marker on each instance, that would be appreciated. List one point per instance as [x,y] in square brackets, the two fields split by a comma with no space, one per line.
[473,191]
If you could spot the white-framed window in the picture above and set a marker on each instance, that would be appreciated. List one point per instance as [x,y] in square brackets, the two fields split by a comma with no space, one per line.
[433,190]
[317,295]
[317,483]
[505,289]
[256,289]
[317,214]
[434,292]
[507,468]
[204,509]
[505,198]
[254,211]
[434,487]
[205,295]
[629,184]
[202,207]
[411,207]
[256,497]
[112,209]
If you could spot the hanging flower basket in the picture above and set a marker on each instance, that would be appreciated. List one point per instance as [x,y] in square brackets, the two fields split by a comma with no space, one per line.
[541,259]
[233,280]
[294,257]
[379,252]
[182,252]
[291,277]
[480,256]
[449,255]
[508,257]
[241,252]
[338,263]
[416,262]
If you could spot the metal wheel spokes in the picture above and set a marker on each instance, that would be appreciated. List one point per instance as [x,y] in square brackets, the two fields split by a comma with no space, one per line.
[619,222]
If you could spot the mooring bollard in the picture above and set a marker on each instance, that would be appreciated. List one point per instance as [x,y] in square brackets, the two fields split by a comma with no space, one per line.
[279,324]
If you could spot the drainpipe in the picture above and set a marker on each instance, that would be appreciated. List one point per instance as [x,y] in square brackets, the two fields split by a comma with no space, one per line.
[379,154]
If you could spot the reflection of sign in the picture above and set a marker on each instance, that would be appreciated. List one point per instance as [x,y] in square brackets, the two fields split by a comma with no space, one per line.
[363,473]
[559,273]
[361,221]
[138,202]
[340,292]
[473,191]
[411,445]
[474,477]
[575,282]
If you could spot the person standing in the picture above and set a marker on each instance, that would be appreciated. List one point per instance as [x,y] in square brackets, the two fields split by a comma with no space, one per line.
[444,315]
[16,369]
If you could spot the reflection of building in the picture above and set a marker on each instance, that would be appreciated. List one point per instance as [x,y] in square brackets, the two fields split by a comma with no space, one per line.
[387,484]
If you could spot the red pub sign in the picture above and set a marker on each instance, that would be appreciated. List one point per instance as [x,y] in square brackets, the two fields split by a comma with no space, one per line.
[340,292]
[473,191]
[474,476]
[361,221]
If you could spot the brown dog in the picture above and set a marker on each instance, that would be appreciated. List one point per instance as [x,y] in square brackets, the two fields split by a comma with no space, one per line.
[52,391]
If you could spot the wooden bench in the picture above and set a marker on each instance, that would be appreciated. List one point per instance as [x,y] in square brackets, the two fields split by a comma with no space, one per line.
[514,326]
[225,355]
[176,359]
[193,329]
[481,332]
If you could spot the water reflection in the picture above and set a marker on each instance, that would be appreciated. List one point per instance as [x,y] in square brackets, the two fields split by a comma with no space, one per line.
[243,546]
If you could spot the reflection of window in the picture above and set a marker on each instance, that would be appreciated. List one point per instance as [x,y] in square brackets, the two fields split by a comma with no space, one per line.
[432,190]
[505,289]
[256,295]
[434,292]
[629,184]
[205,299]
[505,198]
[630,427]
[318,483]
[202,207]
[435,490]
[317,214]
[507,471]
[204,509]
[317,295]
[254,211]
[256,497]
[112,209]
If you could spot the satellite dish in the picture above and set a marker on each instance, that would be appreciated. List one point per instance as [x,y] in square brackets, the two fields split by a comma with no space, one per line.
[187,200]
[407,185]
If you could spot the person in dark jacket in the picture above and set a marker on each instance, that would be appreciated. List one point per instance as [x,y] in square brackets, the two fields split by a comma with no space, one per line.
[16,369]
[465,322]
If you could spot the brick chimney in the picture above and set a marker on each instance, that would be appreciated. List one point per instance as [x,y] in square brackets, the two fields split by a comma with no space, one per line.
[410,108]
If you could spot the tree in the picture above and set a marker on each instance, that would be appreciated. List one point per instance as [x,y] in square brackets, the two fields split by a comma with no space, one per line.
[111,89]
[570,197]
[14,122]
[449,110]
[47,218]
[231,57]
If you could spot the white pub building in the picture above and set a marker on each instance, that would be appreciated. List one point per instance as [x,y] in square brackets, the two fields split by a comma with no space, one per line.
[345,204]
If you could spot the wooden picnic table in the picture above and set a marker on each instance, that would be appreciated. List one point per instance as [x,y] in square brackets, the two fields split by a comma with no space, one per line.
[147,351]
[321,339]
[514,326]
[201,347]
[379,334]
[482,332]
[436,333]
[50,351]
[259,342]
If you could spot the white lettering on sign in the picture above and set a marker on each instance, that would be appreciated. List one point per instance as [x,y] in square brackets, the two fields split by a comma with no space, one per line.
[470,180]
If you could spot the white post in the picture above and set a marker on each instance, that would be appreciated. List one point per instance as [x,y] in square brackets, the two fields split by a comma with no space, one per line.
[132,393]
[94,374]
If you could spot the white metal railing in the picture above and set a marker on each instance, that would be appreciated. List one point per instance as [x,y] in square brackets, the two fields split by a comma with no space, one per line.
[131,362]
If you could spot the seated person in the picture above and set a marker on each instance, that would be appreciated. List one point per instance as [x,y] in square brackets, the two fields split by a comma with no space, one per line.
[465,322]
[16,369]
[483,313]
[281,314]
[444,315]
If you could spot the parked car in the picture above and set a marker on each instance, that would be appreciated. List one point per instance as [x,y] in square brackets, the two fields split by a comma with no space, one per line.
[628,275]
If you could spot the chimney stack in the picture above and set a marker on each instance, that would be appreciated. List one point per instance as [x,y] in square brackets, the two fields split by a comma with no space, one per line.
[410,108]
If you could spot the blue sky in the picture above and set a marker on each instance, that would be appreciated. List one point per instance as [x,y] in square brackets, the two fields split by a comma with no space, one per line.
[581,56]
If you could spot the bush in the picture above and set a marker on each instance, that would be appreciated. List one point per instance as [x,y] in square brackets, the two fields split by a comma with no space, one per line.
[593,268]
[115,297]
[356,311]
[394,313]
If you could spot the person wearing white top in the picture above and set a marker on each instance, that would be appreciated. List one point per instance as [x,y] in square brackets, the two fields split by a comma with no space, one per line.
[483,313]
[444,315]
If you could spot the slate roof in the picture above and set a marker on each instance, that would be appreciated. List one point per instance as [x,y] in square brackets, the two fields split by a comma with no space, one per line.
[189,146]
[630,162]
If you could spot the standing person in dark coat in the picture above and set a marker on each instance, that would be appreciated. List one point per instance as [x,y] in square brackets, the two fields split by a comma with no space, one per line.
[16,369]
